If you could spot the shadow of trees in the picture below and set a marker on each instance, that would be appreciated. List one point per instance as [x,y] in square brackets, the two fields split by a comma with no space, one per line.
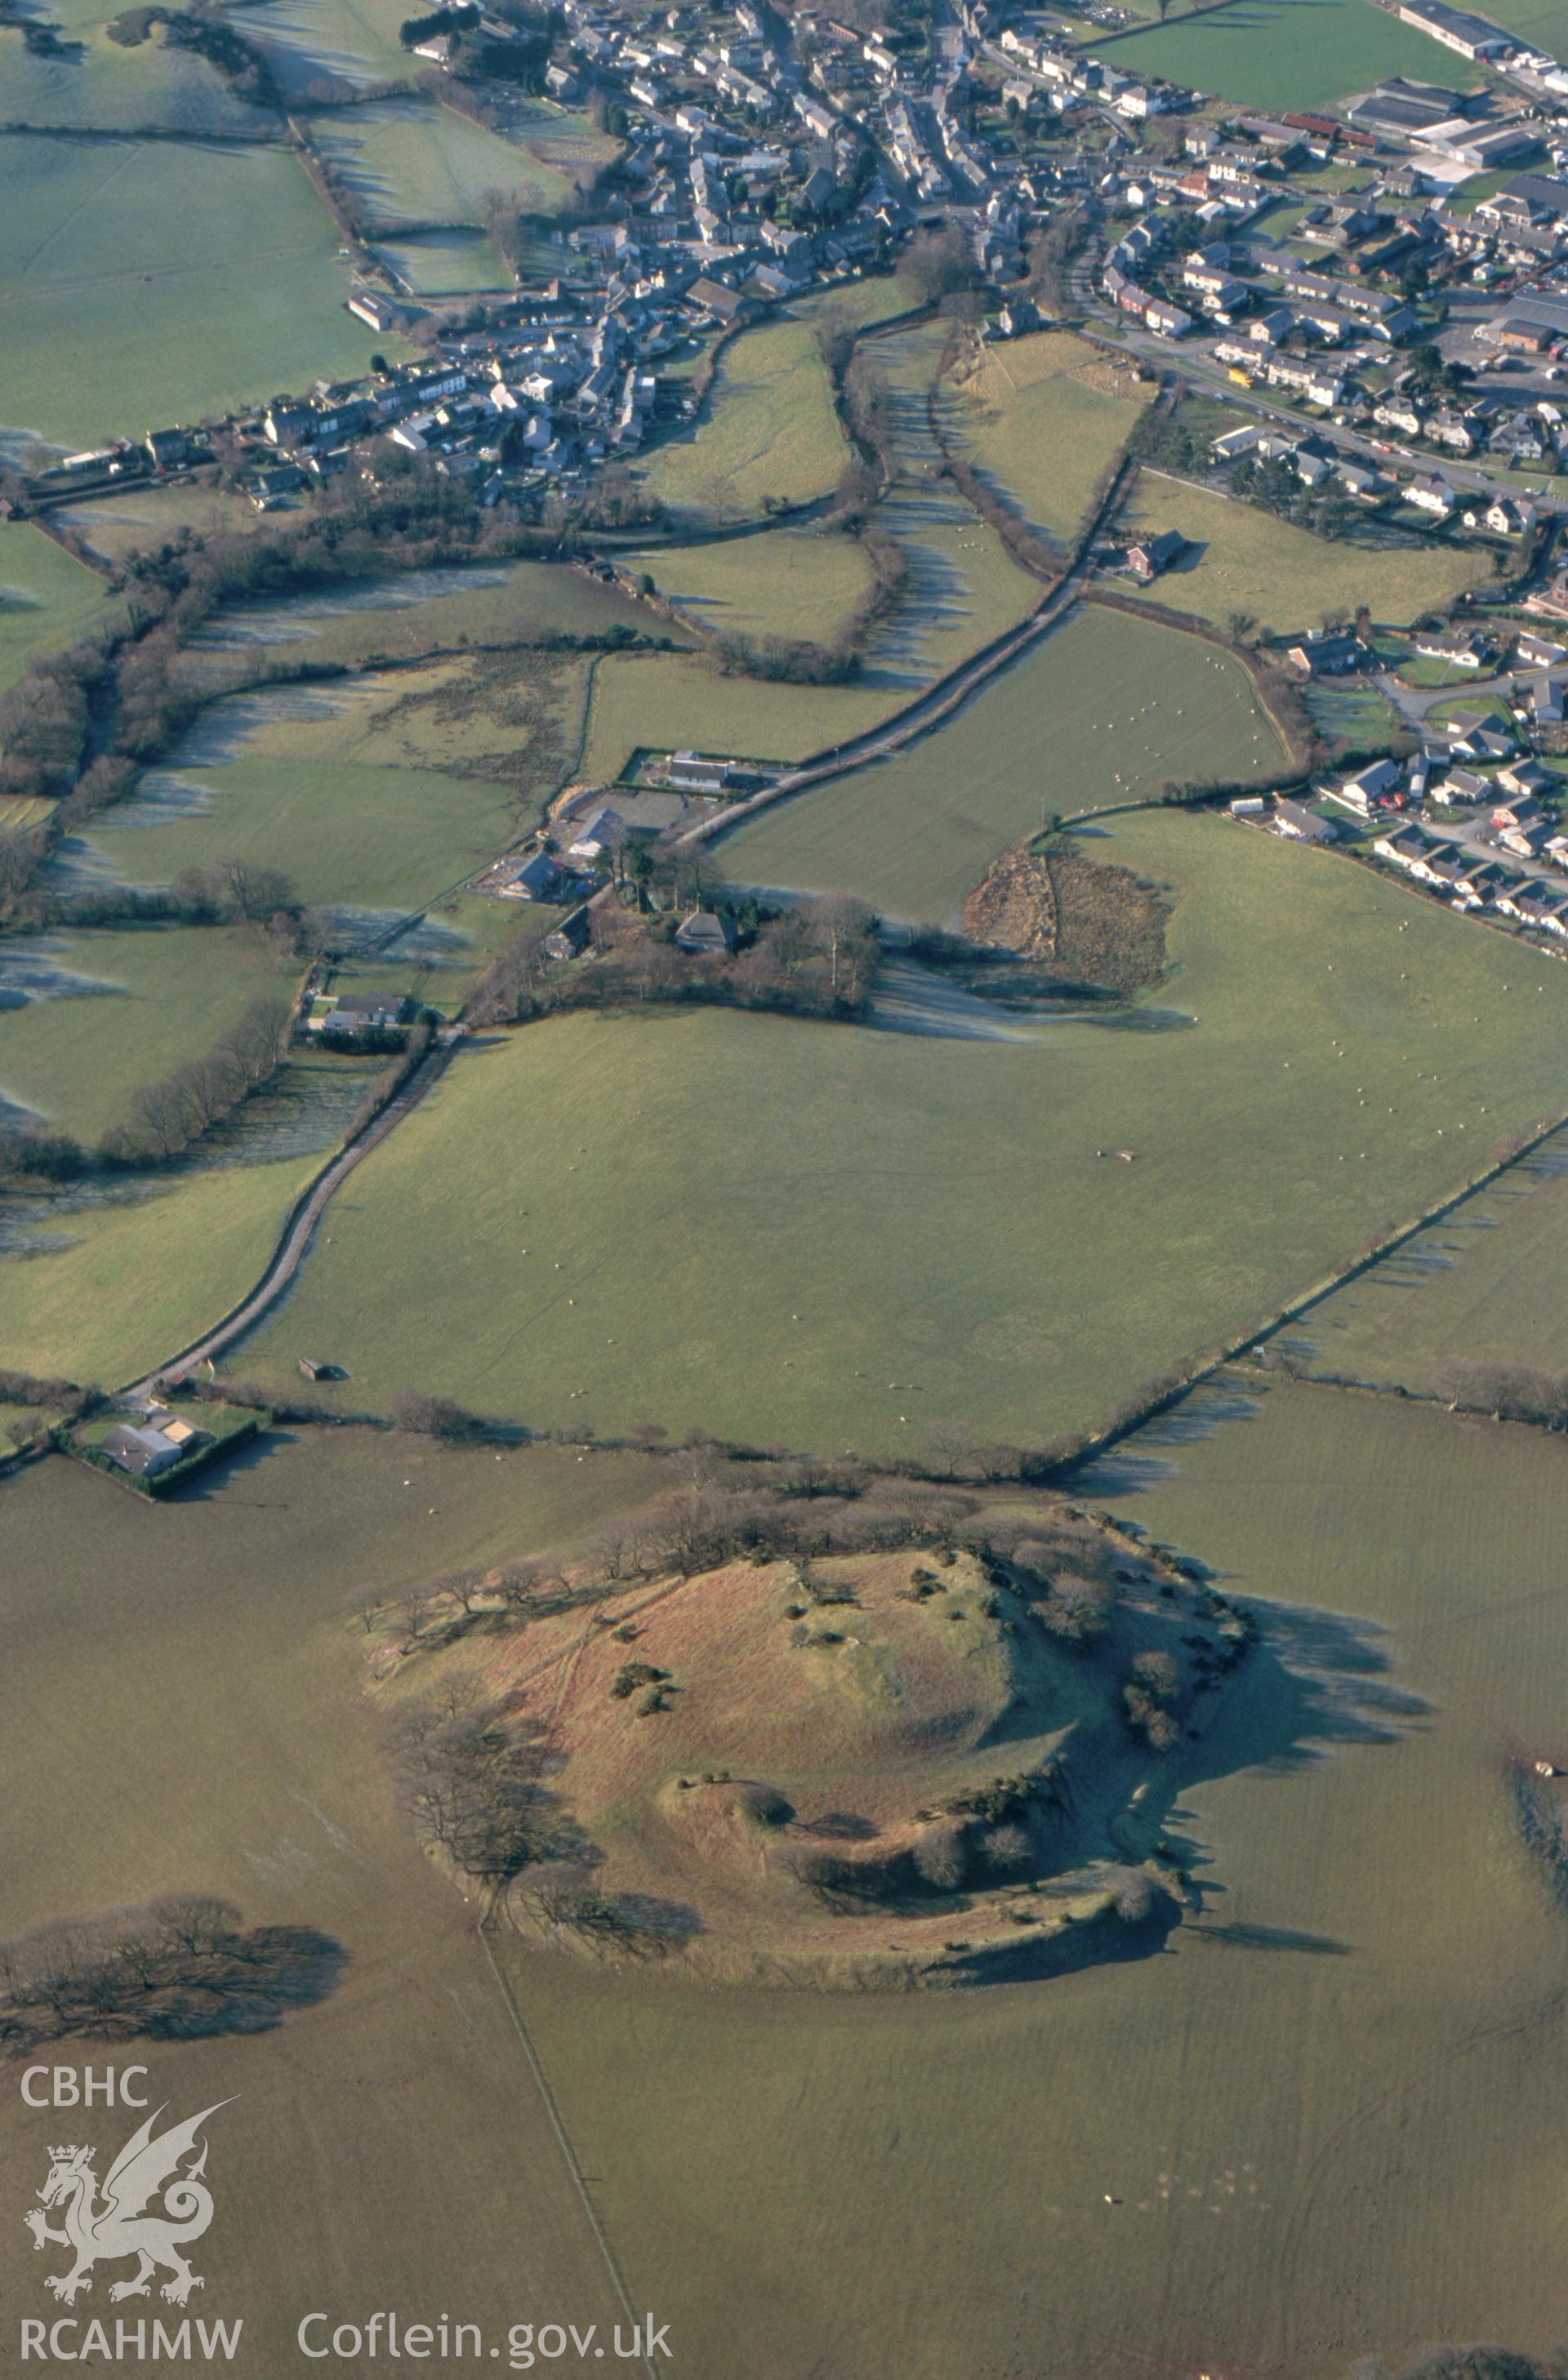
[180,1969]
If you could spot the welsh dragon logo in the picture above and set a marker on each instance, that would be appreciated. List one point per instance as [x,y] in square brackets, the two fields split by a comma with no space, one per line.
[146,2207]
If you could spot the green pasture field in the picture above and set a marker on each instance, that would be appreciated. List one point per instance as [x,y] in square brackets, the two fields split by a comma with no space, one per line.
[410,615]
[342,41]
[668,700]
[961,589]
[1541,22]
[434,264]
[48,599]
[189,1678]
[767,428]
[1324,2124]
[1247,561]
[146,282]
[784,582]
[409,160]
[168,992]
[874,298]
[1292,54]
[149,516]
[1043,423]
[381,837]
[138,1279]
[110,88]
[923,1223]
[1104,710]
[1489,1282]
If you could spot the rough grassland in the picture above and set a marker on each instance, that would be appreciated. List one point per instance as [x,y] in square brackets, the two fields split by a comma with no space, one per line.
[1043,420]
[48,599]
[382,838]
[1290,53]
[137,1280]
[1105,711]
[182,1700]
[1326,2119]
[147,282]
[167,994]
[768,428]
[1489,1282]
[410,161]
[824,1236]
[1246,560]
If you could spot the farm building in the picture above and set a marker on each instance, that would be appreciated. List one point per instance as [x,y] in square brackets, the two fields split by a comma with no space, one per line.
[570,937]
[706,934]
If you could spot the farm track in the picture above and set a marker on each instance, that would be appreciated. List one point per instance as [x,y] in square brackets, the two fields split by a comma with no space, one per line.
[299,1225]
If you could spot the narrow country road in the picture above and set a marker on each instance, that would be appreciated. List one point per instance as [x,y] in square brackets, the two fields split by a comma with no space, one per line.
[300,1227]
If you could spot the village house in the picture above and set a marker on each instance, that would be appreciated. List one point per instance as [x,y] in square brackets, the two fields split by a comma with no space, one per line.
[1431,493]
[1150,555]
[1300,825]
[1330,656]
[364,1012]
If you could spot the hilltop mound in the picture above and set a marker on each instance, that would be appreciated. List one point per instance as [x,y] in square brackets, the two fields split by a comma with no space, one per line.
[871,1769]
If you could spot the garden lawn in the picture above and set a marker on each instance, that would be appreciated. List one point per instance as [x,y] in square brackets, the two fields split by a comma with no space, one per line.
[48,599]
[1104,710]
[1241,559]
[768,430]
[879,2185]
[127,1004]
[1290,54]
[146,282]
[1044,421]
[826,1236]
